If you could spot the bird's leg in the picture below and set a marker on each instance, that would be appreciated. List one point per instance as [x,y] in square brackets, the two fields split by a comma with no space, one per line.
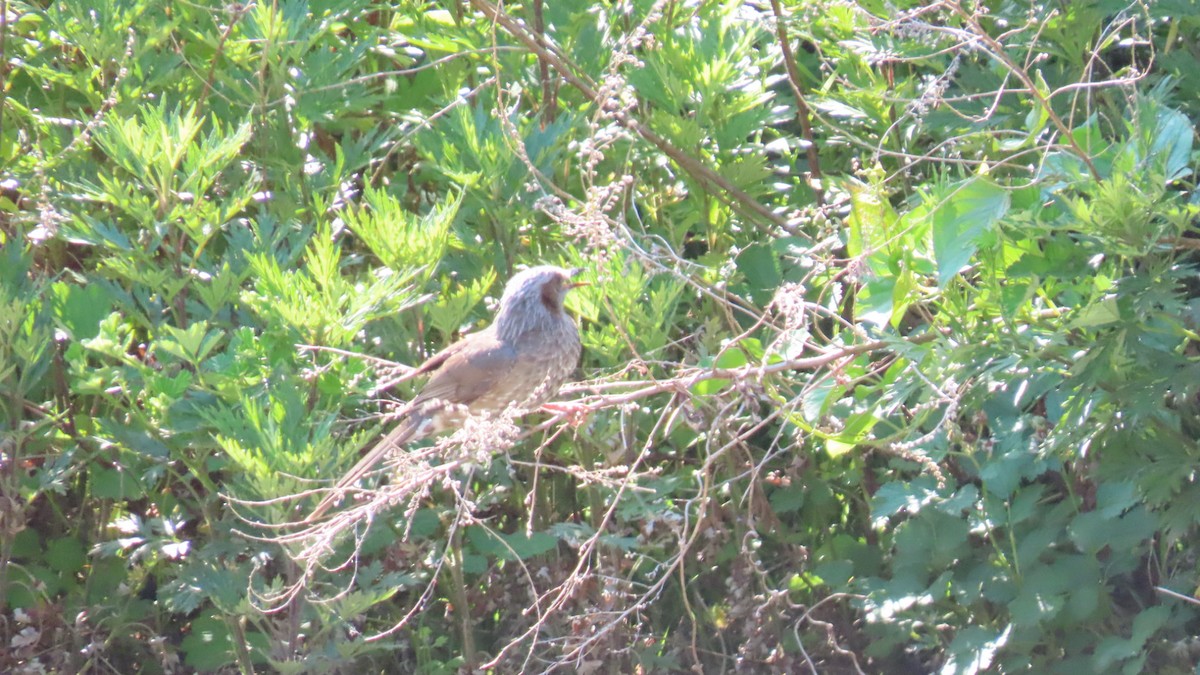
[575,413]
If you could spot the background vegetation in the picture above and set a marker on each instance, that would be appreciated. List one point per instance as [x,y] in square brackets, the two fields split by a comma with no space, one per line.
[890,344]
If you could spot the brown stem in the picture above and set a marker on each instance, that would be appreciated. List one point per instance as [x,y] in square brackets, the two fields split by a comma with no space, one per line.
[997,50]
[549,84]
[737,198]
[803,114]
[235,15]
[690,378]
[461,608]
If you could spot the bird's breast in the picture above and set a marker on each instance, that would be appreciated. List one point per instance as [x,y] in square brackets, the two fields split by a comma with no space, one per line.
[545,359]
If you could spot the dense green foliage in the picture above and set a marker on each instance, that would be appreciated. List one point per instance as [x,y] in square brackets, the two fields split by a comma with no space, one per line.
[890,340]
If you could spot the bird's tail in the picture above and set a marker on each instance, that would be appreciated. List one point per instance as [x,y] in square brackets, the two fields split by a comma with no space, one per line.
[411,428]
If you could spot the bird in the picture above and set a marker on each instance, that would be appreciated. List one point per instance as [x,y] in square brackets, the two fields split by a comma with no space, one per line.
[521,360]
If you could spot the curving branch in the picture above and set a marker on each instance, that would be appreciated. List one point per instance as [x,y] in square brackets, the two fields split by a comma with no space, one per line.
[737,198]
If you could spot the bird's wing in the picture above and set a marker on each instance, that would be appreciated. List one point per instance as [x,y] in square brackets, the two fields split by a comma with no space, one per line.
[426,367]
[473,367]
[434,362]
[463,372]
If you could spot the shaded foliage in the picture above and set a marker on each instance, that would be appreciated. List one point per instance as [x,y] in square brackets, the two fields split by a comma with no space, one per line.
[890,343]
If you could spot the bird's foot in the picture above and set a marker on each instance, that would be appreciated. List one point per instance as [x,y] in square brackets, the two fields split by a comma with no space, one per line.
[575,413]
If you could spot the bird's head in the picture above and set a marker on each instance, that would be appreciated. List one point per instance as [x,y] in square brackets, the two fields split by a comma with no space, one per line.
[535,296]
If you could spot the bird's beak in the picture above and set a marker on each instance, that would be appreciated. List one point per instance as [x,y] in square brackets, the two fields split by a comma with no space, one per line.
[574,273]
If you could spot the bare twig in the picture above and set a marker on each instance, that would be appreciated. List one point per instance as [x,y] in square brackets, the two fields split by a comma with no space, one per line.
[736,197]
[803,114]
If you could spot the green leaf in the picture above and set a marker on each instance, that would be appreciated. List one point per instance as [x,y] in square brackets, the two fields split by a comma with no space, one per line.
[105,577]
[974,649]
[207,644]
[899,497]
[474,564]
[66,555]
[856,430]
[1114,649]
[1096,530]
[204,581]
[401,240]
[527,545]
[1037,603]
[875,301]
[425,523]
[193,344]
[787,499]
[453,308]
[81,308]
[873,227]
[815,400]
[904,293]
[1102,313]
[115,484]
[1172,143]
[759,264]
[969,211]
[733,357]
[140,441]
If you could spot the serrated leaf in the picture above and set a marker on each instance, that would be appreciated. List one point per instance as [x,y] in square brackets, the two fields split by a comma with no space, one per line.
[1173,137]
[527,545]
[1095,530]
[872,224]
[787,499]
[192,344]
[974,649]
[969,211]
[896,497]
[81,308]
[201,582]
[1097,314]
[761,268]
[1114,649]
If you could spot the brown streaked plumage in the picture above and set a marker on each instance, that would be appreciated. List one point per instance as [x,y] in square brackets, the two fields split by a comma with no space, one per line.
[520,360]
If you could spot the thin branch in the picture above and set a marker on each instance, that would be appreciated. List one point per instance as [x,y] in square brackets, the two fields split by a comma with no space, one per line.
[735,196]
[996,49]
[803,114]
